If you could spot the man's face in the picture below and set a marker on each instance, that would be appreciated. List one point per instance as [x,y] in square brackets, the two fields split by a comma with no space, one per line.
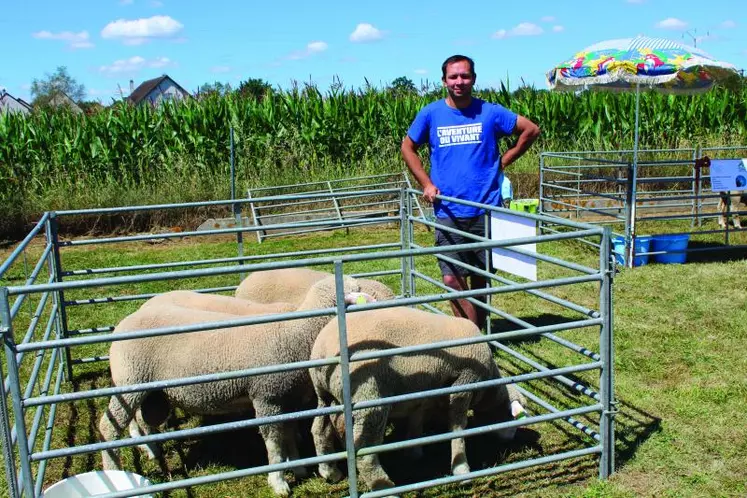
[459,80]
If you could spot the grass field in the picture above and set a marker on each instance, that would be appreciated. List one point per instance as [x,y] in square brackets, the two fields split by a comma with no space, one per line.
[681,381]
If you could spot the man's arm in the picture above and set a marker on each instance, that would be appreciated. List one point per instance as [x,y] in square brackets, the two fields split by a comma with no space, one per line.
[527,133]
[412,160]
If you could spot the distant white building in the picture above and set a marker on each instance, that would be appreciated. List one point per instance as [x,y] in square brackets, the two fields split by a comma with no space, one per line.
[156,91]
[9,103]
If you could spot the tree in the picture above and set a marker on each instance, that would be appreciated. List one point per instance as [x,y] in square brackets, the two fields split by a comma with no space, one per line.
[43,90]
[402,86]
[216,88]
[255,88]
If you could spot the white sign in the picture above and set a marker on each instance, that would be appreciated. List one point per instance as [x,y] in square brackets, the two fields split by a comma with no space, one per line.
[728,174]
[505,226]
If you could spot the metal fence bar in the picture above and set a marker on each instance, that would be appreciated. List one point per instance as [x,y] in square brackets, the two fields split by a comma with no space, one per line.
[26,484]
[347,398]
[292,254]
[21,247]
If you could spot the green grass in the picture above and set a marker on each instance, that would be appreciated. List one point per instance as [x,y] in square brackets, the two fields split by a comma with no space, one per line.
[681,380]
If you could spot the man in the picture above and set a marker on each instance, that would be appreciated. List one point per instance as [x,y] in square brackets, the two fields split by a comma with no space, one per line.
[462,133]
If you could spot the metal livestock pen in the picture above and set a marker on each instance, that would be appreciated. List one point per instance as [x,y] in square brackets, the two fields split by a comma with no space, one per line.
[667,190]
[56,291]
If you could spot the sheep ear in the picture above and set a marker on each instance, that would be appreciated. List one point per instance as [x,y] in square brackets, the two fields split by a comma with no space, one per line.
[358,298]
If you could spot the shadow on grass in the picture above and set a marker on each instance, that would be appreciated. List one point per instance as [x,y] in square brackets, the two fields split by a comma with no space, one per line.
[713,252]
[498,325]
[633,426]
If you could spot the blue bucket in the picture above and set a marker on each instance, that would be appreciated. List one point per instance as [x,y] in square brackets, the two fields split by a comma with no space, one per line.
[642,244]
[674,242]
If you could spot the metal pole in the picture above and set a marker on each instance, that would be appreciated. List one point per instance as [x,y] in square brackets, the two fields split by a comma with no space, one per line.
[15,393]
[7,441]
[403,231]
[410,240]
[631,248]
[489,282]
[236,206]
[629,214]
[540,208]
[54,225]
[345,373]
[606,351]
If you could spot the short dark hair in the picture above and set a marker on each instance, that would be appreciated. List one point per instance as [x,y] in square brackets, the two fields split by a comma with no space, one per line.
[457,58]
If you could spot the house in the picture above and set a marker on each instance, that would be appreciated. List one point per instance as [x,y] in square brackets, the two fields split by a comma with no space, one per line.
[157,90]
[60,99]
[8,103]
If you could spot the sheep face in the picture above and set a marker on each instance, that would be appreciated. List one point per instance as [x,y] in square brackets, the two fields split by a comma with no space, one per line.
[495,406]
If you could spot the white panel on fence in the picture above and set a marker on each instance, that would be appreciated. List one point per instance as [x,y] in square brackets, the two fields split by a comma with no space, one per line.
[504,226]
[728,174]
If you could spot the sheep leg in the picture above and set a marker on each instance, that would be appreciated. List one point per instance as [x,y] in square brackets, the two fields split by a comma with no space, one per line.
[273,435]
[119,413]
[415,430]
[138,428]
[291,448]
[458,406]
[368,430]
[324,442]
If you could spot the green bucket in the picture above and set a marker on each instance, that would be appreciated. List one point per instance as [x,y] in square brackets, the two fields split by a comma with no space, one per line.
[526,205]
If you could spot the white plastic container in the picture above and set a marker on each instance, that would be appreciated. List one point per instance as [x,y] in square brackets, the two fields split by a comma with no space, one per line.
[96,483]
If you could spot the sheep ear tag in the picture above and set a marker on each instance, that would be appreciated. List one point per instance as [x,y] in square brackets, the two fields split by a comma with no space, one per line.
[359,298]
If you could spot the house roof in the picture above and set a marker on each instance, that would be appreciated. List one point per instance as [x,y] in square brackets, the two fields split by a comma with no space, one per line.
[148,86]
[6,101]
[60,98]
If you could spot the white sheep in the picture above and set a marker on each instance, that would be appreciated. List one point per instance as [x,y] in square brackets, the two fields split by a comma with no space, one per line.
[216,302]
[290,285]
[150,359]
[155,408]
[370,379]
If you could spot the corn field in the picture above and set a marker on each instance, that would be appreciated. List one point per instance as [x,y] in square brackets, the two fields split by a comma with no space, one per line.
[303,133]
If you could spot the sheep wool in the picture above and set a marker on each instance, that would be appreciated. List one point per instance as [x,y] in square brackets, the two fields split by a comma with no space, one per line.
[291,284]
[374,330]
[136,361]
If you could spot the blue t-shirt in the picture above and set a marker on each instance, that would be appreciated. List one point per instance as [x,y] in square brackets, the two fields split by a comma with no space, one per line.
[465,160]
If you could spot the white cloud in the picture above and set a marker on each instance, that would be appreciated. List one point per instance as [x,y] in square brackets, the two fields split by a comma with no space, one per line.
[126,2]
[365,32]
[134,64]
[312,48]
[73,40]
[635,1]
[558,28]
[729,24]
[220,69]
[523,29]
[548,19]
[421,71]
[138,31]
[672,23]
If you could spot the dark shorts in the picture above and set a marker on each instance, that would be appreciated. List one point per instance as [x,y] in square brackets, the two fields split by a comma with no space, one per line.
[444,238]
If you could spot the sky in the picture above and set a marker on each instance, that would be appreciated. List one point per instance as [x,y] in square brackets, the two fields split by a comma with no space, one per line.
[106,43]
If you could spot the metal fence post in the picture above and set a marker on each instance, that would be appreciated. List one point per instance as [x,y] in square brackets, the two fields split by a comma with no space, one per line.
[7,441]
[629,216]
[345,373]
[606,351]
[541,207]
[412,289]
[53,234]
[236,207]
[15,394]
[405,280]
